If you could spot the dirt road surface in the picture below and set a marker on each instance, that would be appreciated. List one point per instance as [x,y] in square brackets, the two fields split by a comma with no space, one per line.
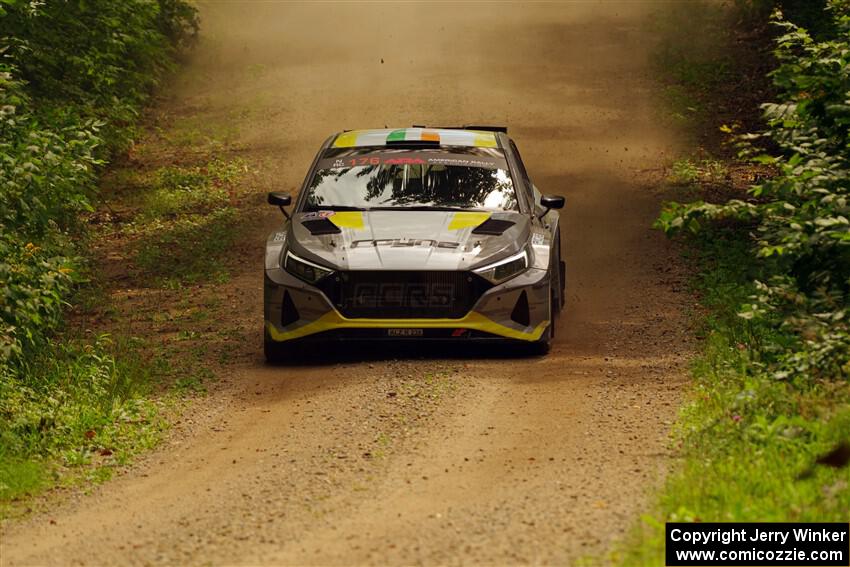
[420,457]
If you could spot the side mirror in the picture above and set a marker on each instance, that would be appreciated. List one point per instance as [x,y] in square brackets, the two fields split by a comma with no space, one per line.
[550,202]
[280,200]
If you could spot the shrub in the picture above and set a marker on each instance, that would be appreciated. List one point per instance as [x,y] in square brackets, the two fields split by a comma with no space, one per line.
[801,215]
[73,76]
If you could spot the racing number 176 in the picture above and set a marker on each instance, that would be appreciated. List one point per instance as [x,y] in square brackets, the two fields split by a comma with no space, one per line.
[364,161]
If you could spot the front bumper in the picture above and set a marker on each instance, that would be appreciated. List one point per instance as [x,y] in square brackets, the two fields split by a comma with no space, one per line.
[493,315]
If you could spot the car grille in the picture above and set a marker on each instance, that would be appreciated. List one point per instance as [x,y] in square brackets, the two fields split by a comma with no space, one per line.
[404,295]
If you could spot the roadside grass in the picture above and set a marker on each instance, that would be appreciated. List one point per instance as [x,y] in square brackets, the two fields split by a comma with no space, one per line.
[115,306]
[74,78]
[85,406]
[122,368]
[192,132]
[197,135]
[184,220]
[687,171]
[748,446]
[90,403]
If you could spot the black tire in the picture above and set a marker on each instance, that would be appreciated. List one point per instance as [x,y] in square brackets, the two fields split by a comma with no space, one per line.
[543,345]
[561,267]
[276,353]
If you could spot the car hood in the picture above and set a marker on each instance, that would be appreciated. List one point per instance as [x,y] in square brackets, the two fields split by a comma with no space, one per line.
[405,240]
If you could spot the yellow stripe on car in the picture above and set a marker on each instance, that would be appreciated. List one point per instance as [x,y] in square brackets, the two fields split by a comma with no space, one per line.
[347,219]
[346,140]
[473,321]
[485,140]
[466,220]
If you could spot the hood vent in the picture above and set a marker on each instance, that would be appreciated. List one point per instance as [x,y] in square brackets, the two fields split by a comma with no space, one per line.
[493,227]
[318,227]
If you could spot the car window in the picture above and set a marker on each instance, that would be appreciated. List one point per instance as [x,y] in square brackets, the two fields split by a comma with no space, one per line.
[412,178]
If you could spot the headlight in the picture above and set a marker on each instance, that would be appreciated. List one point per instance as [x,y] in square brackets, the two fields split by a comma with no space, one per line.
[503,270]
[274,250]
[304,269]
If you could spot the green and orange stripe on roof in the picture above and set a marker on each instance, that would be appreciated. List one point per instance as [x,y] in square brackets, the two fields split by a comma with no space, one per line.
[364,138]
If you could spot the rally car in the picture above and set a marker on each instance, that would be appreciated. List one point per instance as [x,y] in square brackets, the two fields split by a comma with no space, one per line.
[414,234]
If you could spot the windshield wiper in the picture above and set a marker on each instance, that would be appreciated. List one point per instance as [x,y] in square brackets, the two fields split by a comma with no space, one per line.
[425,208]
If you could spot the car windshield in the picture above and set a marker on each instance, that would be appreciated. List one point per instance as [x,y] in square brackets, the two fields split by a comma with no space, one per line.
[420,179]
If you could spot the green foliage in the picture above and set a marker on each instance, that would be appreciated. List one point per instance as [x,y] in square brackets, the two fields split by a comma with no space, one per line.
[187,220]
[748,443]
[95,58]
[19,477]
[45,178]
[187,249]
[771,393]
[73,75]
[687,171]
[806,13]
[801,215]
[76,403]
[191,190]
[35,283]
[178,21]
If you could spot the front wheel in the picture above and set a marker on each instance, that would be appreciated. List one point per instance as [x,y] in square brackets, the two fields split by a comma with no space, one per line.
[276,352]
[543,345]
[561,271]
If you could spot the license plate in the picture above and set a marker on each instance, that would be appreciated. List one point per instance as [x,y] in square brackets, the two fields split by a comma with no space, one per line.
[404,332]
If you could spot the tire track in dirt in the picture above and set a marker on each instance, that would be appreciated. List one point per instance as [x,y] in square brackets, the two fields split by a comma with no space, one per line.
[432,458]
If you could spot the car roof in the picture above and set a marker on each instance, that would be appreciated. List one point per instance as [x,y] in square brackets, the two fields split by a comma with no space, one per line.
[392,136]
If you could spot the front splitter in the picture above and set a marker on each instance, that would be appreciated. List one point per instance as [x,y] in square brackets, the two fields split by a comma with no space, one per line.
[472,321]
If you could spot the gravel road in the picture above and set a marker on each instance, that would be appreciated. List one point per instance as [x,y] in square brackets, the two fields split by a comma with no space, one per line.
[421,456]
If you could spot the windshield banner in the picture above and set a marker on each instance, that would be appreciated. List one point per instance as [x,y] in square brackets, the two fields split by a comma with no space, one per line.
[412,158]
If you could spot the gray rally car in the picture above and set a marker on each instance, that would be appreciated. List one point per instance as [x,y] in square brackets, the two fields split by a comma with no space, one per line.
[415,234]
